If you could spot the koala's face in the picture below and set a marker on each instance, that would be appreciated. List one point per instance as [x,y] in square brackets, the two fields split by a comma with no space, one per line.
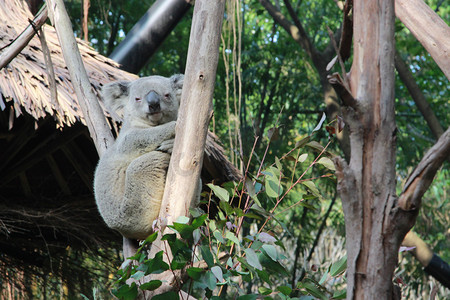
[148,101]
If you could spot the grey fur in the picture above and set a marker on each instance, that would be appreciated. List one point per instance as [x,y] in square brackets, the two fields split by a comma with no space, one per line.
[130,176]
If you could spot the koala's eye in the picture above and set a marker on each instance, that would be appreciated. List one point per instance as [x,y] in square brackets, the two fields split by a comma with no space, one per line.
[167,96]
[138,99]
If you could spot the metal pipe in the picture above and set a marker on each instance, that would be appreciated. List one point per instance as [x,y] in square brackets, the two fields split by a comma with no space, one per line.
[148,33]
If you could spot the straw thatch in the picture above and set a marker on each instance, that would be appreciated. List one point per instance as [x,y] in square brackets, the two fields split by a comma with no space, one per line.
[24,82]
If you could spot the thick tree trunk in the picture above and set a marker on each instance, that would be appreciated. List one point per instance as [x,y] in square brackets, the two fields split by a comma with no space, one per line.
[367,183]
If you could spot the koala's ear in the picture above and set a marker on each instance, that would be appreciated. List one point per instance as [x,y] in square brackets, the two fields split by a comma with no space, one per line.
[115,94]
[177,81]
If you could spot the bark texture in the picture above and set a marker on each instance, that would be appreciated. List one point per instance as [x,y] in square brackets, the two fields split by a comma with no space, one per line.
[367,183]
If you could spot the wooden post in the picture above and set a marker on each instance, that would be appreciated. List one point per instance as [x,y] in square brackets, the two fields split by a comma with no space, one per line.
[195,109]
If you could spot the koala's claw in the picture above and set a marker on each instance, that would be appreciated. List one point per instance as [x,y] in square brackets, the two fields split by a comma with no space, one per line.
[166,146]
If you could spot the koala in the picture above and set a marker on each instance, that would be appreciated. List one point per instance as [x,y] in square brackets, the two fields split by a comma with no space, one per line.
[130,177]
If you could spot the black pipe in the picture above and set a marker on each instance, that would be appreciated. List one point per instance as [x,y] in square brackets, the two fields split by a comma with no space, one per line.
[148,33]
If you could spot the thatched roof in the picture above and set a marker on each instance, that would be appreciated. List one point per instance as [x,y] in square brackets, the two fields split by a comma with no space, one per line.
[24,82]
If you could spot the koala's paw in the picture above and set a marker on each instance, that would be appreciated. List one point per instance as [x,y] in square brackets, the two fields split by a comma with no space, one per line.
[166,146]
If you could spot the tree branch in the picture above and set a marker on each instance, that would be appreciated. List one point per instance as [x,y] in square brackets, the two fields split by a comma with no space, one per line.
[92,112]
[296,31]
[428,28]
[406,76]
[422,176]
[24,38]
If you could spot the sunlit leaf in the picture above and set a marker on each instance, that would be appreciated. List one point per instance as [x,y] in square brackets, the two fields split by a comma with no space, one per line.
[338,267]
[266,238]
[264,291]
[327,163]
[302,157]
[220,192]
[320,122]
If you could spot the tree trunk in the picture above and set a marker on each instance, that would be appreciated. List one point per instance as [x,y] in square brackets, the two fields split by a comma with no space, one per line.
[192,124]
[367,183]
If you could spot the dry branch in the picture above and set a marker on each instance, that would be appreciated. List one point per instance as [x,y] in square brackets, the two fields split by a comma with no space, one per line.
[92,112]
[24,38]
[422,176]
[428,28]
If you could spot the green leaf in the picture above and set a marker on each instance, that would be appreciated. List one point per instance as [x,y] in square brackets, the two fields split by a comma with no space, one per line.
[340,294]
[302,142]
[266,238]
[302,157]
[271,251]
[195,273]
[338,267]
[248,297]
[167,296]
[138,275]
[312,187]
[226,207]
[217,272]
[219,236]
[220,192]
[185,230]
[324,277]
[285,290]
[156,265]
[229,235]
[252,259]
[278,163]
[182,220]
[272,183]
[327,163]
[126,292]
[210,280]
[151,285]
[264,276]
[199,221]
[151,238]
[314,291]
[207,255]
[264,291]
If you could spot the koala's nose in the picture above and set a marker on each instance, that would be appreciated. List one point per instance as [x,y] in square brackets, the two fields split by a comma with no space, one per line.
[153,101]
